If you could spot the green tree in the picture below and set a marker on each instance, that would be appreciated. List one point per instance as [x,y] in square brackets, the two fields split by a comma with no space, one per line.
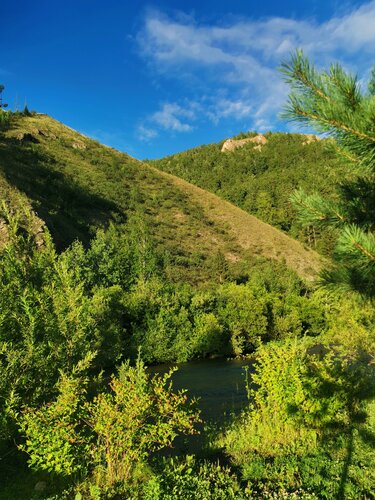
[332,102]
[4,116]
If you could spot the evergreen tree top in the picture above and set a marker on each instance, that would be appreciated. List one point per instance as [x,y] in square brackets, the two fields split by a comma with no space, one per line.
[332,102]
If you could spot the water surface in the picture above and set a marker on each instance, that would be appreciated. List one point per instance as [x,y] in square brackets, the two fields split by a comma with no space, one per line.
[219,384]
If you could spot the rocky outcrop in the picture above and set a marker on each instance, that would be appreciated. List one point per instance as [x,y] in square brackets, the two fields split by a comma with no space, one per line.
[31,223]
[309,138]
[47,133]
[32,133]
[4,235]
[232,144]
[78,145]
[26,137]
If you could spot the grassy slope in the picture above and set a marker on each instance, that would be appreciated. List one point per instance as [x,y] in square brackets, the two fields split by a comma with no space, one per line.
[77,189]
[261,182]
[251,233]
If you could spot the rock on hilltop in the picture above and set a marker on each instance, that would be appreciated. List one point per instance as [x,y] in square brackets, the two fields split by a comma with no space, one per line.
[232,144]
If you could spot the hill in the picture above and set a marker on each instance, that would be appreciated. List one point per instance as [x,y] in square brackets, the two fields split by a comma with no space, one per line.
[76,185]
[259,177]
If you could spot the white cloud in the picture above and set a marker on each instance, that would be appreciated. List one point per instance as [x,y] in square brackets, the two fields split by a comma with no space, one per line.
[220,108]
[146,133]
[353,32]
[181,118]
[245,47]
[170,117]
[235,63]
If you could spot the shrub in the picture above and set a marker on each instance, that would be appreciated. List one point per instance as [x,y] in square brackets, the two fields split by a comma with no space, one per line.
[104,441]
[309,421]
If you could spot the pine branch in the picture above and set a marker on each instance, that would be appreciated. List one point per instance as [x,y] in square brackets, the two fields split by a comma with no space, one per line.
[351,158]
[313,210]
[371,83]
[346,85]
[333,103]
[356,245]
[332,123]
[347,279]
[299,74]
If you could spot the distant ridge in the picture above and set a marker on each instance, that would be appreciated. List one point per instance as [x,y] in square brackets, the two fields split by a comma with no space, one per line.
[259,173]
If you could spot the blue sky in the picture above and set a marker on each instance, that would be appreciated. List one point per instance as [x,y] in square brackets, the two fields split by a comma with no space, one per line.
[154,78]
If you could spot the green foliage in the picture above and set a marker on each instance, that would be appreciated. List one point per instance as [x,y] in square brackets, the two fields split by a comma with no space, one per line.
[49,321]
[244,314]
[55,440]
[120,256]
[2,104]
[371,83]
[111,299]
[332,102]
[310,419]
[4,119]
[26,111]
[192,480]
[267,429]
[103,441]
[178,324]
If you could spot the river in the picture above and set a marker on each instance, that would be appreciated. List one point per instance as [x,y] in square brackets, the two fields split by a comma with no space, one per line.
[219,384]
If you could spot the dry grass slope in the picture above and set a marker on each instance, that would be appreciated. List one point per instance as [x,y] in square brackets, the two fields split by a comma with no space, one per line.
[253,234]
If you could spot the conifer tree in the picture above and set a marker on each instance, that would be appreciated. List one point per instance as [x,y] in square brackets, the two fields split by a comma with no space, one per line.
[333,103]
[2,104]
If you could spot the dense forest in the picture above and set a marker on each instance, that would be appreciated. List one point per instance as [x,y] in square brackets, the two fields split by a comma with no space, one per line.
[100,277]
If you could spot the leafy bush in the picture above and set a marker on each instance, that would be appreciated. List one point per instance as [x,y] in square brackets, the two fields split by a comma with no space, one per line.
[104,441]
[244,314]
[48,321]
[310,421]
[5,117]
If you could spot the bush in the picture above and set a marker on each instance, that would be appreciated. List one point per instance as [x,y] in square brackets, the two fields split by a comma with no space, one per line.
[310,421]
[48,321]
[105,441]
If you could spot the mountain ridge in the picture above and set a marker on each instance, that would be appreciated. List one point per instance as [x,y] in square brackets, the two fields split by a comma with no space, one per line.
[76,185]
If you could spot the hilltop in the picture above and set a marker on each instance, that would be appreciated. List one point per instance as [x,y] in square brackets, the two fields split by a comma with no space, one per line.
[76,185]
[258,173]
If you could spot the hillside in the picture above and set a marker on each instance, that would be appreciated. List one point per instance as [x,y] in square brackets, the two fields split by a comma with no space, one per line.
[260,178]
[76,185]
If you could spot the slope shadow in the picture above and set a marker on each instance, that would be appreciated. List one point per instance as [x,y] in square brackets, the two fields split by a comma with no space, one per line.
[69,210]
